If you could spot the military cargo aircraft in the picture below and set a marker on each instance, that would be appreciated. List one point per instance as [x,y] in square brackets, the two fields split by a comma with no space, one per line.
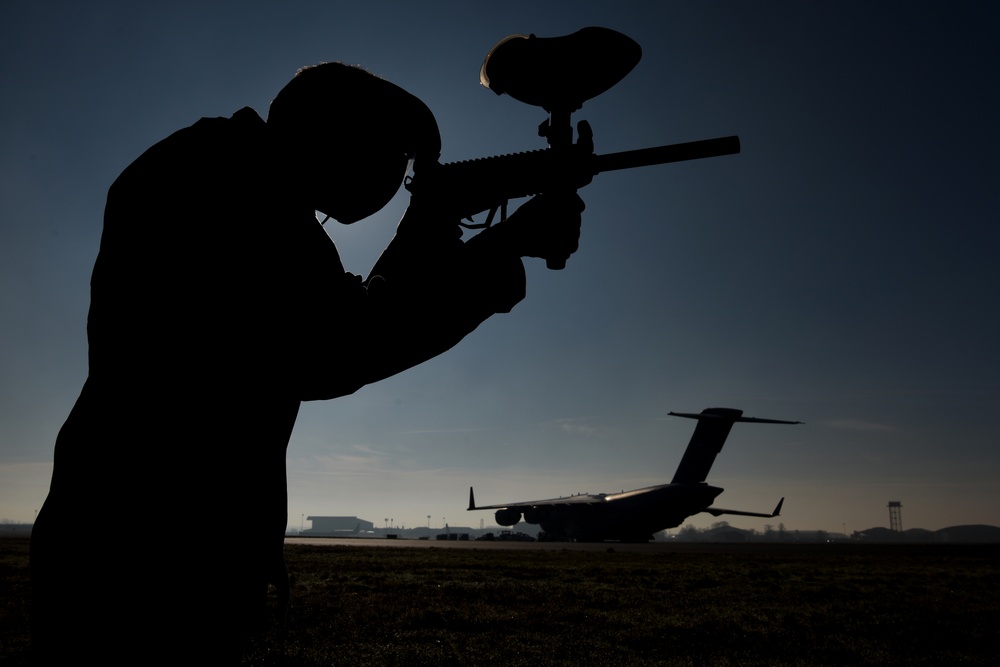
[634,516]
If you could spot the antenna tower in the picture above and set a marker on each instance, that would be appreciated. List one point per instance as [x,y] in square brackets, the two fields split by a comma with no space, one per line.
[895,516]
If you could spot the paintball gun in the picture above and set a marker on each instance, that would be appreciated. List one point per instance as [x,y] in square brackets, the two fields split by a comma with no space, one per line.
[558,74]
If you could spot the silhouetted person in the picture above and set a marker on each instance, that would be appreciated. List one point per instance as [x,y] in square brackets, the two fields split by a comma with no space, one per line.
[218,304]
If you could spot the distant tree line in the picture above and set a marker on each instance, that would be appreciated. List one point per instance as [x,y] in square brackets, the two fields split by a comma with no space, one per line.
[721,531]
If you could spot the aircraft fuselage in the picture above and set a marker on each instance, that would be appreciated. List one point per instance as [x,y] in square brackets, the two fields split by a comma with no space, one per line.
[629,516]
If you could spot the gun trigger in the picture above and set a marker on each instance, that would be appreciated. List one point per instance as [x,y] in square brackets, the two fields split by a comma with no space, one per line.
[489,218]
[585,136]
[472,224]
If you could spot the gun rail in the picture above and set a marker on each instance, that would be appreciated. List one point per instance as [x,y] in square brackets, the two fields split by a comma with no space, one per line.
[483,184]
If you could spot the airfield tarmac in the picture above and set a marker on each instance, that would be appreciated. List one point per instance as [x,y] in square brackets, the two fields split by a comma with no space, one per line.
[492,545]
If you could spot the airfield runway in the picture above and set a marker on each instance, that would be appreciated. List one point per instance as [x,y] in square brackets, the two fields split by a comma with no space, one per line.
[650,547]
[494,545]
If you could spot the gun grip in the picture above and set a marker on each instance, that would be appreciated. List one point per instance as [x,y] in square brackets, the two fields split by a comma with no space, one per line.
[555,264]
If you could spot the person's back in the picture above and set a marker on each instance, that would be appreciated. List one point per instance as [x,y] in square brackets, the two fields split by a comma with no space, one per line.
[172,462]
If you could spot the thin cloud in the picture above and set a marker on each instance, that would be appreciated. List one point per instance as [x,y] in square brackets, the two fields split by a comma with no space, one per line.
[470,429]
[576,426]
[360,460]
[861,425]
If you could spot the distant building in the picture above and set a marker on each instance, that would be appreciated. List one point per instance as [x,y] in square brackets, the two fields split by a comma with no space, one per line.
[338,526]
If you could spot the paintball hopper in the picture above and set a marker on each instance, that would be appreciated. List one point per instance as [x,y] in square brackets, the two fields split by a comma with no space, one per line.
[559,73]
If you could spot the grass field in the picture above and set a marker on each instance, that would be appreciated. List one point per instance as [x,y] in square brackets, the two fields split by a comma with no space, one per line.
[673,605]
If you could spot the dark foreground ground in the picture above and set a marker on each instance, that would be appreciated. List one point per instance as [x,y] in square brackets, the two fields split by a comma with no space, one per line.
[664,605]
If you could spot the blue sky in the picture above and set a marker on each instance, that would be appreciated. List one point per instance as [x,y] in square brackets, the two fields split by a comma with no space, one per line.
[841,271]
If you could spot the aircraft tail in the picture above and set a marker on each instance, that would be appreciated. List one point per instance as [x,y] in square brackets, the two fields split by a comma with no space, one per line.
[707,440]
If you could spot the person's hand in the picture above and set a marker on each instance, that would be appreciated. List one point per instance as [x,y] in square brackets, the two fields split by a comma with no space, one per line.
[547,226]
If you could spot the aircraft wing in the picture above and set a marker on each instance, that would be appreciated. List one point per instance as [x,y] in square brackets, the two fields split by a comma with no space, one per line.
[582,499]
[718,511]
[748,420]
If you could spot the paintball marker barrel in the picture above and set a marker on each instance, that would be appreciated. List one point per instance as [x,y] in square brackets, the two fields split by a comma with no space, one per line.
[645,157]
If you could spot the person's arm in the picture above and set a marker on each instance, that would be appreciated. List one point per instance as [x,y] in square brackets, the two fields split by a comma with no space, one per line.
[429,289]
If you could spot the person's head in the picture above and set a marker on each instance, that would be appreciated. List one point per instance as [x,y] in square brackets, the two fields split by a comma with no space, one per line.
[346,135]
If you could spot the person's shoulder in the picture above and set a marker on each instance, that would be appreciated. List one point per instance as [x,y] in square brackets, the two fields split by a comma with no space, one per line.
[200,145]
[243,125]
[244,120]
[248,117]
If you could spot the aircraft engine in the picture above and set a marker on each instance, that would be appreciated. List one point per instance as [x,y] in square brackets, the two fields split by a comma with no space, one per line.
[508,517]
[536,514]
